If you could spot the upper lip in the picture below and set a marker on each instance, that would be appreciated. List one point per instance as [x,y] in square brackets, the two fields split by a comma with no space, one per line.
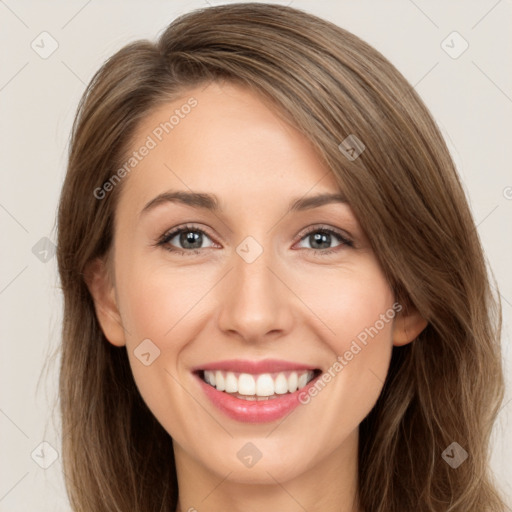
[254,367]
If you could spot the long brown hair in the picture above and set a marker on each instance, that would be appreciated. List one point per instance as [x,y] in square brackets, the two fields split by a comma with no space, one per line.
[444,387]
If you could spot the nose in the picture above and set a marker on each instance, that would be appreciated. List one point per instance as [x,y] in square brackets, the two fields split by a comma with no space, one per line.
[255,302]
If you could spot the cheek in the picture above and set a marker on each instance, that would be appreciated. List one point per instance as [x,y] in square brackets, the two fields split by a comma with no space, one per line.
[154,301]
[358,313]
[355,304]
[154,310]
[364,318]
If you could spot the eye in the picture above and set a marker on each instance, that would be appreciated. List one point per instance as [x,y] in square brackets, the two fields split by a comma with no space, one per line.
[189,237]
[190,240]
[320,239]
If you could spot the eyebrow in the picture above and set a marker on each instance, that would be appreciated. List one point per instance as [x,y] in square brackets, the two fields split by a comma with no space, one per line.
[211,202]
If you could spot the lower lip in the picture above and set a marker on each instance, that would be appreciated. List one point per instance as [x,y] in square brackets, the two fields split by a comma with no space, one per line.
[254,411]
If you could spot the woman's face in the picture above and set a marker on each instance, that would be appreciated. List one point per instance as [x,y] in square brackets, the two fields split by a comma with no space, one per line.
[254,281]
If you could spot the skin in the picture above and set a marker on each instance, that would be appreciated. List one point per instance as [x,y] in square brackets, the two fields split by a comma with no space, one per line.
[291,303]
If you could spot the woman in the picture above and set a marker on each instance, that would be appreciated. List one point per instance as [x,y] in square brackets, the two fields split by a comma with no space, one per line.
[249,371]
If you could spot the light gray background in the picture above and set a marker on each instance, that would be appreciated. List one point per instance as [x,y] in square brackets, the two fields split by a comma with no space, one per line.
[469,96]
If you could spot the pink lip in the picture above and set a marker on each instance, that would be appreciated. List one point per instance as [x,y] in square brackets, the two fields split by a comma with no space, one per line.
[254,367]
[254,411]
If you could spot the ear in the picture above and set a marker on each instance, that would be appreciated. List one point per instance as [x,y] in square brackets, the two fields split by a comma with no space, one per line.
[407,326]
[102,290]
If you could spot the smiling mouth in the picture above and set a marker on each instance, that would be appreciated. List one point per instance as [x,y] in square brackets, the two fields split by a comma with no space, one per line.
[257,387]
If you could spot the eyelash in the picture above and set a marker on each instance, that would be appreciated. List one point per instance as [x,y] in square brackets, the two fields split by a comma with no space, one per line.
[163,241]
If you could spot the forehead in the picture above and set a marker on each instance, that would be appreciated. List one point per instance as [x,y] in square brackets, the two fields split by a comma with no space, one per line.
[227,140]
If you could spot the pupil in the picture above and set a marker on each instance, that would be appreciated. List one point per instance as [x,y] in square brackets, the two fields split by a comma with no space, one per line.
[321,238]
[191,237]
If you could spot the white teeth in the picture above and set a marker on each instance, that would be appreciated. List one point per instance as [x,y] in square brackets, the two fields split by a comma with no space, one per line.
[263,385]
[292,382]
[246,384]
[210,378]
[219,381]
[281,384]
[302,380]
[231,383]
